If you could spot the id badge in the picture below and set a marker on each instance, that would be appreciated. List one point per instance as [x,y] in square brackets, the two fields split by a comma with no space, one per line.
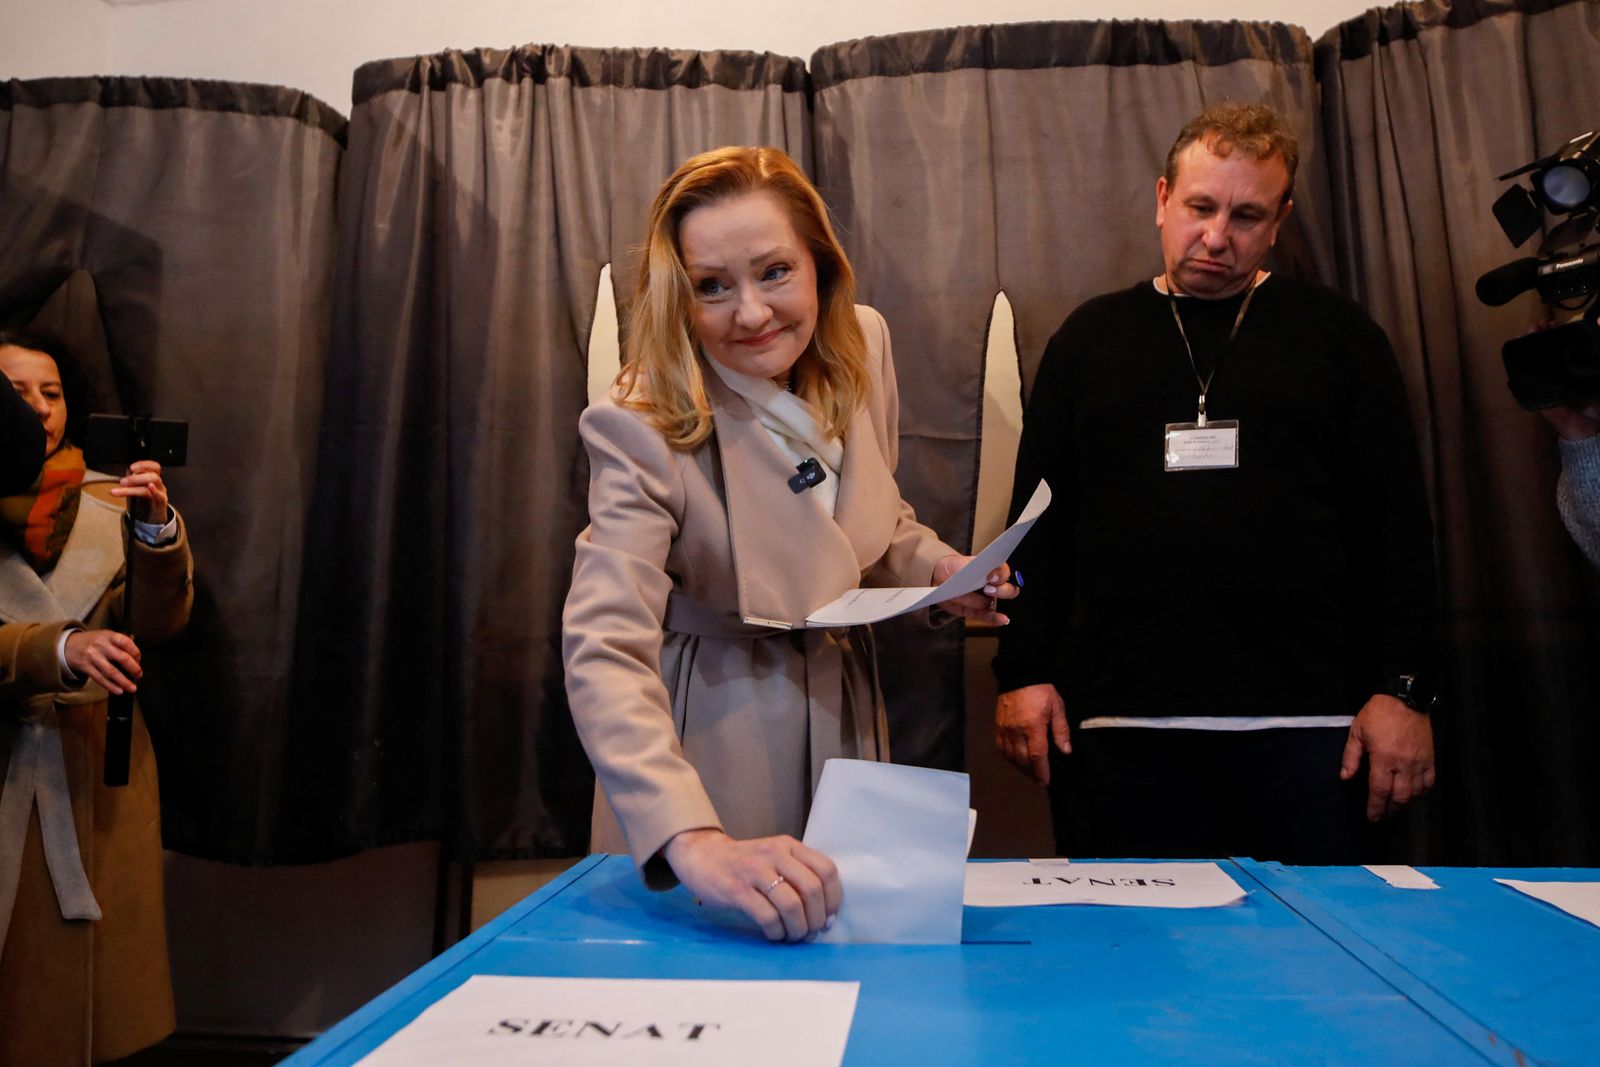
[1189,446]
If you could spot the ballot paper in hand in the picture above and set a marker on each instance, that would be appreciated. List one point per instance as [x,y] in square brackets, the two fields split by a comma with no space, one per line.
[1139,885]
[1578,899]
[861,606]
[899,838]
[500,1021]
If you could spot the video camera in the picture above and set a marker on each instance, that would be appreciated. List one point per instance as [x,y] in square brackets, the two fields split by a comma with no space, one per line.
[1560,365]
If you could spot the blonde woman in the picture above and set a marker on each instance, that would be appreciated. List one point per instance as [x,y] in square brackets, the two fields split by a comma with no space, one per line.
[741,475]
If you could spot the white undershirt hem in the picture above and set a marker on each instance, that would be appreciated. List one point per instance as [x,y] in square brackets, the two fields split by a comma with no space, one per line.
[1222,723]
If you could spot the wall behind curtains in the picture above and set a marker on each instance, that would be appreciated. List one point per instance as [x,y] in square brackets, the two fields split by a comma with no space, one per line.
[196,223]
[1427,103]
[1023,157]
[483,194]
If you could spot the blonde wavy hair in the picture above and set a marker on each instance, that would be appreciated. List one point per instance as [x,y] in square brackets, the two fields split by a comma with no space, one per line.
[661,373]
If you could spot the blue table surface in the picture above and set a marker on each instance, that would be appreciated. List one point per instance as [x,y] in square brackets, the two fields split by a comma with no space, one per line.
[1316,965]
[1526,973]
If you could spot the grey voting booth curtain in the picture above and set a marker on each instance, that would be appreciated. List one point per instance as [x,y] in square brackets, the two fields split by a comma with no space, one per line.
[181,234]
[383,497]
[483,193]
[1021,158]
[1426,103]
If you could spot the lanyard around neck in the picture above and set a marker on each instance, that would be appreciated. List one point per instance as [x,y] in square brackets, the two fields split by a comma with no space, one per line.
[1205,383]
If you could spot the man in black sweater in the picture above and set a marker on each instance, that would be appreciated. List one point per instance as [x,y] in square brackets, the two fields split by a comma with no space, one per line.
[1250,604]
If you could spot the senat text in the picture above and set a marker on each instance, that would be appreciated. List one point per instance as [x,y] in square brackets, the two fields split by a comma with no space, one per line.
[590,1028]
[1102,881]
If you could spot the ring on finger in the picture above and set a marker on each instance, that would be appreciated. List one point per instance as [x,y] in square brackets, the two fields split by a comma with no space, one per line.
[770,886]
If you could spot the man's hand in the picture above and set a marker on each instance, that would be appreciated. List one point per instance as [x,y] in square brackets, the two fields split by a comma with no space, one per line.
[1398,744]
[110,658]
[1024,720]
[789,890]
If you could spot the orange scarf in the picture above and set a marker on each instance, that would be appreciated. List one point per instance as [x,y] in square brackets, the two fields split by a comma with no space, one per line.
[41,518]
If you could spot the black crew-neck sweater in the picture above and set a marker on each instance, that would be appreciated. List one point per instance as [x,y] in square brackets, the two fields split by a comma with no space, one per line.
[1290,585]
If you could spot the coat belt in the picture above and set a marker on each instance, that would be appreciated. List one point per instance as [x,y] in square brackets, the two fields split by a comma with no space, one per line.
[832,657]
[692,618]
[843,662]
[38,772]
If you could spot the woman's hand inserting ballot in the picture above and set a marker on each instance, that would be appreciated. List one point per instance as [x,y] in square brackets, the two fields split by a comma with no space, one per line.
[789,890]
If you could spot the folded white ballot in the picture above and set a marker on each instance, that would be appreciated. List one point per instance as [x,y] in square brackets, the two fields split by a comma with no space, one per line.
[1139,885]
[861,606]
[899,837]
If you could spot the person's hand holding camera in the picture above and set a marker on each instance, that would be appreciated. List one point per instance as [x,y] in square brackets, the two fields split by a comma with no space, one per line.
[110,658]
[1574,423]
[143,484]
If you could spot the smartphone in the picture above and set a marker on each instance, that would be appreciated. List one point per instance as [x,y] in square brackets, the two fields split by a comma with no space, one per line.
[118,440]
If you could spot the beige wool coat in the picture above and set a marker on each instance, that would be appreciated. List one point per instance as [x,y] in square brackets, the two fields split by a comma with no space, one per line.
[701,698]
[76,991]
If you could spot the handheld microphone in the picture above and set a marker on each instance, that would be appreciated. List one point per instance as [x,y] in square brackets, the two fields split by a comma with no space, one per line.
[811,475]
[1503,284]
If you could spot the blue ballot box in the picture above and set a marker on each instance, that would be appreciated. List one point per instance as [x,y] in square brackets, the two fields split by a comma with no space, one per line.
[1314,966]
[1517,977]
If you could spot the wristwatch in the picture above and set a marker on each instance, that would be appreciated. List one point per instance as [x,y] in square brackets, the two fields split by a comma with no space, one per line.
[1415,691]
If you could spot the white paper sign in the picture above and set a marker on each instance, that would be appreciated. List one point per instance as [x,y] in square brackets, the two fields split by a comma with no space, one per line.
[1402,877]
[495,1020]
[899,837]
[1139,885]
[861,606]
[1580,899]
